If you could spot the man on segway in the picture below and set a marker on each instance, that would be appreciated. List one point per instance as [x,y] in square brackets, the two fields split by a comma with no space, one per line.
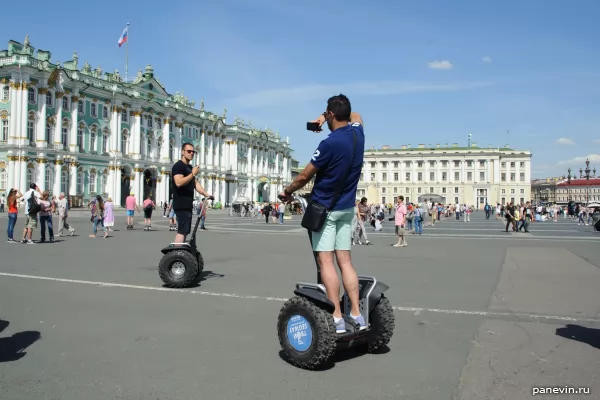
[184,184]
[337,164]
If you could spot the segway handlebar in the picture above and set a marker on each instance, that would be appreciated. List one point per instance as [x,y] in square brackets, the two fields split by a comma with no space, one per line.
[300,199]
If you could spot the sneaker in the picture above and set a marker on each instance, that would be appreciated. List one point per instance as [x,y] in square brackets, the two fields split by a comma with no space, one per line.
[340,326]
[30,242]
[361,321]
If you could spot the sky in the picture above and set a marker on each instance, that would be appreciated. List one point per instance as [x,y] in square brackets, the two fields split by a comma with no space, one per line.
[524,73]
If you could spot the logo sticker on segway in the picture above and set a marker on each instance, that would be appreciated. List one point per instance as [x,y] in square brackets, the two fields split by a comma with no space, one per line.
[299,333]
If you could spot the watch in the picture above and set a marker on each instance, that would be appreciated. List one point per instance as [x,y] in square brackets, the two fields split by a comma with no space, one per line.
[286,192]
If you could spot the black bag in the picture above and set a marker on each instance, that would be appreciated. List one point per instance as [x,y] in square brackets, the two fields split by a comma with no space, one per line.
[315,213]
[34,206]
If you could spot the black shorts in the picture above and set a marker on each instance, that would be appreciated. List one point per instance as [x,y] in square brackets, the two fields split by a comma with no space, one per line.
[184,221]
[147,213]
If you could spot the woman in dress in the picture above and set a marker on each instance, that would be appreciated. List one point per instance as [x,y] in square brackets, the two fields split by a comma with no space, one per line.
[109,216]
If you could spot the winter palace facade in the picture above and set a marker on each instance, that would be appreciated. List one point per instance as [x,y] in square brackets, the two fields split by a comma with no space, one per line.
[84,132]
[448,174]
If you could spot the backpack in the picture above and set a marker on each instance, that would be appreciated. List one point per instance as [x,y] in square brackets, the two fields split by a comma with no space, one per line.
[34,206]
[410,215]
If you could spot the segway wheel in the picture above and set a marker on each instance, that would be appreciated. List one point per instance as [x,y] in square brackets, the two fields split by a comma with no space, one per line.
[306,333]
[178,269]
[382,325]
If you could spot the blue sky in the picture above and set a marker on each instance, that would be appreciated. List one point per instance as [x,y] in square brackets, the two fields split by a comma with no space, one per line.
[419,72]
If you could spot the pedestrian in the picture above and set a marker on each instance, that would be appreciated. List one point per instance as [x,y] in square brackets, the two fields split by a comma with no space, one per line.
[13,196]
[97,216]
[400,221]
[109,215]
[62,206]
[46,217]
[148,207]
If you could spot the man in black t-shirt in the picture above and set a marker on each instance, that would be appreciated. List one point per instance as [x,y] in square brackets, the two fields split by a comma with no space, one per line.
[184,185]
[509,213]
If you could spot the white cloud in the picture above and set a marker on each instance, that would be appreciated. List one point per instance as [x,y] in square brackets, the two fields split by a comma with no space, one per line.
[445,64]
[580,161]
[302,94]
[487,59]
[563,140]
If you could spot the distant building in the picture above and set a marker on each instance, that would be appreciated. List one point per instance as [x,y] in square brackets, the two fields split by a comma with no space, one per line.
[448,174]
[580,190]
[544,190]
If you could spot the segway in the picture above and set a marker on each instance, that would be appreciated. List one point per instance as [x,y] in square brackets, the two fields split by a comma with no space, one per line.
[182,263]
[306,328]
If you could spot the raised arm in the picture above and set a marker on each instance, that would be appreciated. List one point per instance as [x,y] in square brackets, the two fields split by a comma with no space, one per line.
[355,117]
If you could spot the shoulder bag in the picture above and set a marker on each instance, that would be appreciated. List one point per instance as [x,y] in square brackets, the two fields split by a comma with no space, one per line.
[315,213]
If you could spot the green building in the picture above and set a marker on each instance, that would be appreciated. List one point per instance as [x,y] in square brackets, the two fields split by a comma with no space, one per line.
[83,132]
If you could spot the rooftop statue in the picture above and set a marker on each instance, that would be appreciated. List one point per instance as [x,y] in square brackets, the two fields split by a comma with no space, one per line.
[75,60]
[87,69]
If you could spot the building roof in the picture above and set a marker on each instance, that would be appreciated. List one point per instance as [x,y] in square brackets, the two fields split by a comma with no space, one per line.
[438,148]
[580,182]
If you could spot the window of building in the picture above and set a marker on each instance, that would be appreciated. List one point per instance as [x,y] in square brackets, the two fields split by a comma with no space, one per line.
[482,164]
[31,95]
[64,137]
[396,164]
[80,139]
[522,191]
[105,112]
[395,176]
[503,165]
[456,200]
[522,176]
[5,93]
[482,176]
[408,176]
[407,191]
[49,99]
[503,177]
[372,165]
[469,164]
[512,191]
[64,177]
[30,131]
[372,177]
[444,163]
[384,164]
[419,176]
[457,163]
[159,125]
[124,144]
[149,122]
[444,190]
[382,190]
[444,176]
[395,190]
[93,110]
[80,107]
[48,179]
[65,103]
[469,176]
[418,190]
[455,190]
[4,130]
[522,200]
[503,201]
[430,190]
[512,164]
[48,134]
[503,191]
[420,164]
[104,143]
[457,176]
[124,116]
[432,163]
[93,182]
[92,141]
[512,177]
[384,177]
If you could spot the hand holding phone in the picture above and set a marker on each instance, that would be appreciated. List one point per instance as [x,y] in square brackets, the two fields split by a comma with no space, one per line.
[313,127]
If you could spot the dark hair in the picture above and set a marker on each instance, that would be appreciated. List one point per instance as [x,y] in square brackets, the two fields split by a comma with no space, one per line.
[401,198]
[32,185]
[186,144]
[340,107]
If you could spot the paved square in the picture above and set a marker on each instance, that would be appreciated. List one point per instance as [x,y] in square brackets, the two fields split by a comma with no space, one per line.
[480,313]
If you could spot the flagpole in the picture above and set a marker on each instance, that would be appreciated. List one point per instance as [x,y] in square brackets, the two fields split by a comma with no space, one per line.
[127,56]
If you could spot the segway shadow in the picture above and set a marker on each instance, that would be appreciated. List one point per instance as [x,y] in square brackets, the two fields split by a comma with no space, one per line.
[182,264]
[305,325]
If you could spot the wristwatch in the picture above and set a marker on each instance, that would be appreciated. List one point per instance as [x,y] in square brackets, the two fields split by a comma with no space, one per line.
[286,192]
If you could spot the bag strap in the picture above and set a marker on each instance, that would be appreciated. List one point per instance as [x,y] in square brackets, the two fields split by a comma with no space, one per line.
[342,182]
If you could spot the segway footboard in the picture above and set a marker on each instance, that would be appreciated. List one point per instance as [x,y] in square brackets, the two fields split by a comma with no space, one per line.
[315,292]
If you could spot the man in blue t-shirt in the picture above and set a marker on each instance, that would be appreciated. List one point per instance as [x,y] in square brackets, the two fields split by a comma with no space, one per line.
[330,164]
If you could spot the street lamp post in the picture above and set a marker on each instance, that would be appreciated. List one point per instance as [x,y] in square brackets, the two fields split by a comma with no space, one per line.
[569,186]
[587,177]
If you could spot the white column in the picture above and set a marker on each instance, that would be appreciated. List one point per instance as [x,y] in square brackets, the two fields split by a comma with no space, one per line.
[202,149]
[164,151]
[224,184]
[12,172]
[209,161]
[23,178]
[40,137]
[13,123]
[74,122]
[41,175]
[249,156]
[117,198]
[73,179]
[113,143]
[217,160]
[58,126]
[134,146]
[139,184]
[57,178]
[23,113]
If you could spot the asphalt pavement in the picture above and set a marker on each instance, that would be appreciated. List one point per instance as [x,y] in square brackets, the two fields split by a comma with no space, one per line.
[480,314]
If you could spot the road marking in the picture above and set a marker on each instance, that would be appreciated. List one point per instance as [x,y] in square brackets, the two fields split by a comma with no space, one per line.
[414,310]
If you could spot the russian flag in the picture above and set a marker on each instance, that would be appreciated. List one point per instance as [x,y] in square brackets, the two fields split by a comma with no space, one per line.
[123,38]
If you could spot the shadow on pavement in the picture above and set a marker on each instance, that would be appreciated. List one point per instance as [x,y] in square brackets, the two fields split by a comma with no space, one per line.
[204,276]
[341,356]
[581,334]
[12,348]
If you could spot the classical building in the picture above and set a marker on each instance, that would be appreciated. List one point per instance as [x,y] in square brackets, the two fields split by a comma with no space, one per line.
[85,132]
[449,174]
[544,190]
[580,190]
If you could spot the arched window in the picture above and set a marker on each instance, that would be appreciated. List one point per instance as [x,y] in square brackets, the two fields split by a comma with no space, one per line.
[49,99]
[149,145]
[93,144]
[3,180]
[65,103]
[30,176]
[92,182]
[31,95]
[48,181]
[64,136]
[48,133]
[64,178]
[80,138]
[30,131]
[5,93]
[104,142]
[104,182]
[79,182]
[124,143]
[80,106]
[93,110]
[105,112]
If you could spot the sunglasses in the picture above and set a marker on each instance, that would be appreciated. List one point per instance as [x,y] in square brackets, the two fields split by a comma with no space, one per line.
[190,151]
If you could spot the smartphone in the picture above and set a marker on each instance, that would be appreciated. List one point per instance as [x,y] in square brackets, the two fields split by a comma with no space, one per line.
[313,126]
